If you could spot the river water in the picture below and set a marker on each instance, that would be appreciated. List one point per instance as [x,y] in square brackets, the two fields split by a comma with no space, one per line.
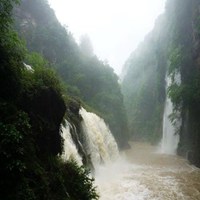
[143,174]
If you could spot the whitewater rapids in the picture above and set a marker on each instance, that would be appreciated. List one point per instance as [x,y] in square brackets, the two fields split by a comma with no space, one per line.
[144,174]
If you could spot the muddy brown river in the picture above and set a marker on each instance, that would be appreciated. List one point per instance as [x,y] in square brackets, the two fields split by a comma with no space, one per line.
[141,173]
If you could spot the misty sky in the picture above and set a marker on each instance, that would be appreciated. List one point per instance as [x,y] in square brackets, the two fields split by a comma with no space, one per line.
[115,27]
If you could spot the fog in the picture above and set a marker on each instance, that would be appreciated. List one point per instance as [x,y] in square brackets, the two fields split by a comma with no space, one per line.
[114,27]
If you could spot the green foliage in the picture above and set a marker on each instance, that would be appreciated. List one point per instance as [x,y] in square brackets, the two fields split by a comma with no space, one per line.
[41,76]
[31,111]
[184,91]
[175,93]
[98,87]
[47,78]
[85,76]
[36,60]
[43,33]
[175,59]
[6,7]
[11,55]
[166,49]
[13,138]
[182,42]
[185,96]
[15,146]
[73,176]
[175,90]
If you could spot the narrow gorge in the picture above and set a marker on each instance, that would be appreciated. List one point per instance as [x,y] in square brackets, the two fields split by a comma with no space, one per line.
[71,129]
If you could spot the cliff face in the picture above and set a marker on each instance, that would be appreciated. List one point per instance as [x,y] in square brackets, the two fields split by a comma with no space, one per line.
[184,17]
[190,130]
[172,47]
[143,85]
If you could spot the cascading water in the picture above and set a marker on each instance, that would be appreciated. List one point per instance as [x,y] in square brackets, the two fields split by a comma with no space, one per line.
[143,175]
[170,137]
[70,150]
[98,139]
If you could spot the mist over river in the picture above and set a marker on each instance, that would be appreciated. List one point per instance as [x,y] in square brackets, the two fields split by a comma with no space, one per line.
[143,174]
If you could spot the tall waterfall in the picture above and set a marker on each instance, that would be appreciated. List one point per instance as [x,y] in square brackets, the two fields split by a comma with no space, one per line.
[70,150]
[98,139]
[170,137]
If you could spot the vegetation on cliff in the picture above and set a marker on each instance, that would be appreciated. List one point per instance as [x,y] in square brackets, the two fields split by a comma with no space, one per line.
[171,49]
[32,108]
[184,59]
[85,76]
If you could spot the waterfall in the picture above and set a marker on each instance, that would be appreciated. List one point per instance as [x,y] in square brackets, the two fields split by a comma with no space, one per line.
[28,67]
[70,150]
[98,139]
[170,137]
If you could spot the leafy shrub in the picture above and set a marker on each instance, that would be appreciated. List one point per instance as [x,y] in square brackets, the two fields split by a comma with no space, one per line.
[78,182]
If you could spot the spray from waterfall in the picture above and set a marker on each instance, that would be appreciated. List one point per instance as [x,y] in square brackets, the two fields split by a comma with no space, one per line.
[98,139]
[170,137]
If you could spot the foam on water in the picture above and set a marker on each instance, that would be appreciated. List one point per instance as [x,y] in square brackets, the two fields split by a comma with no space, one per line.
[145,175]
[114,181]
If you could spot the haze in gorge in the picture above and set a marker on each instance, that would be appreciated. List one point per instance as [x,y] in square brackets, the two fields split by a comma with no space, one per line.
[115,28]
[100,100]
